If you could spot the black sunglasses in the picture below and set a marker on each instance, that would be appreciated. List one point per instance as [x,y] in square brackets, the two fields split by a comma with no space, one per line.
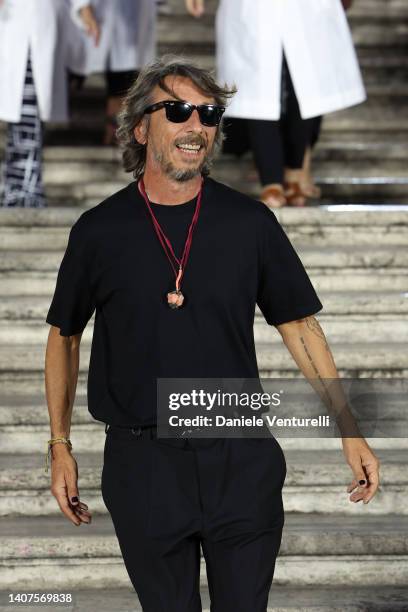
[179,112]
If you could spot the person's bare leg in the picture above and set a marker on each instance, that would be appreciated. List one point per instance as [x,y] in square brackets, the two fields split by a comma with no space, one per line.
[293,187]
[307,182]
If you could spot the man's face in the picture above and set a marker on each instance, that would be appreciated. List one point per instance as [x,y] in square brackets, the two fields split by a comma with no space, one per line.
[165,140]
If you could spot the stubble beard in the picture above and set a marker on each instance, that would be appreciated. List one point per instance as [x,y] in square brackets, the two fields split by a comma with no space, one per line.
[182,174]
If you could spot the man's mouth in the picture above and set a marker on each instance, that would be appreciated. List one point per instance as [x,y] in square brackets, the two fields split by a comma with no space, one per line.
[190,149]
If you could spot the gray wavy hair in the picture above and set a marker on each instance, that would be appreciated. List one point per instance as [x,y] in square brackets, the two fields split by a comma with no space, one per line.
[139,96]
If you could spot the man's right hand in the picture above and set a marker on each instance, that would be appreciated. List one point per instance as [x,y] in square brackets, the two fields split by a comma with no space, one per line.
[195,7]
[88,18]
[64,479]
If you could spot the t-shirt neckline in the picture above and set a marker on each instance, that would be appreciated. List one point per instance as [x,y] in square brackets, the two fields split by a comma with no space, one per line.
[173,209]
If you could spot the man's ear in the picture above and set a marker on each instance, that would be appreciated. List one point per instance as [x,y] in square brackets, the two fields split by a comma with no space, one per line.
[140,131]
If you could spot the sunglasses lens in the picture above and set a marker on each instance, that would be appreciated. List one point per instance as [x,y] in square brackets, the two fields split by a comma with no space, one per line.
[178,112]
[210,115]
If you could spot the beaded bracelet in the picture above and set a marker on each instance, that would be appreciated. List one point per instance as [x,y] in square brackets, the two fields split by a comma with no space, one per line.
[50,443]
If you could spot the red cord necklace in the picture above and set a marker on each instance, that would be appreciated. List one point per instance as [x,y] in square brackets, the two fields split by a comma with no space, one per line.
[175,298]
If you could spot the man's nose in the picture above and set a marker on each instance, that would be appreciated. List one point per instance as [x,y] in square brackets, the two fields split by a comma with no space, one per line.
[194,121]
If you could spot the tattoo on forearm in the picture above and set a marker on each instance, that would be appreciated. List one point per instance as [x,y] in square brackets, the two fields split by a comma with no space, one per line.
[325,393]
[315,327]
[309,356]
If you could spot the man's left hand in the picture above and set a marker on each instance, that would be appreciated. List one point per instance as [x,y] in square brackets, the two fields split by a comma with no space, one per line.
[365,466]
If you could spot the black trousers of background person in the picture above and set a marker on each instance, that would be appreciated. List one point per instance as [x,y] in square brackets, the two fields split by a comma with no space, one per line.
[117,82]
[275,144]
[166,497]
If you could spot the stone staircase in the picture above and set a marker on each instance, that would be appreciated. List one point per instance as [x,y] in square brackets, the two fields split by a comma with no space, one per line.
[335,555]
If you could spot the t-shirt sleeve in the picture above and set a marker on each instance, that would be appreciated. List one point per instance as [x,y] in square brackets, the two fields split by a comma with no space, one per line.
[285,292]
[73,303]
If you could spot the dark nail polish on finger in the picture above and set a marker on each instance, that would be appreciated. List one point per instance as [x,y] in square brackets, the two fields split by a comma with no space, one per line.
[74,499]
[361,482]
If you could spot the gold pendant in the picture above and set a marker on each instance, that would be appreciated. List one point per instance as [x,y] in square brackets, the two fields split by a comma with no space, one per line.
[175,299]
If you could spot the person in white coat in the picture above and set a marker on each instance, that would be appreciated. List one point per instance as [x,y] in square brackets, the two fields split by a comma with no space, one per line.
[33,90]
[127,43]
[252,38]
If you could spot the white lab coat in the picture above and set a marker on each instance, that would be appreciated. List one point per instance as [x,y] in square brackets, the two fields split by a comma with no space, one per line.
[128,36]
[42,26]
[315,36]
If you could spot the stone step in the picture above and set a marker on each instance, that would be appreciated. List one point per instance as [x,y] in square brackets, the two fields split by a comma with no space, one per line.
[302,224]
[353,359]
[362,182]
[382,189]
[368,216]
[315,550]
[388,67]
[345,315]
[378,598]
[352,187]
[355,256]
[364,169]
[315,482]
[323,226]
[353,148]
[349,279]
[60,173]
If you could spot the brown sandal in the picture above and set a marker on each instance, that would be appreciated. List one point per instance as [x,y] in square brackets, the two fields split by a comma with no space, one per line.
[294,194]
[273,192]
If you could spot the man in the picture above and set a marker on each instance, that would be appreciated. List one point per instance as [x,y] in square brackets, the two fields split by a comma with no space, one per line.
[157,320]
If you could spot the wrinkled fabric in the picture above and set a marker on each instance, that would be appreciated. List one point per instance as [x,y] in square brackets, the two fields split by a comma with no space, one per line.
[167,497]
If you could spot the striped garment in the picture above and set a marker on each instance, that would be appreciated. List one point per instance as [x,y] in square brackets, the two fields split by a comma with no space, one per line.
[22,168]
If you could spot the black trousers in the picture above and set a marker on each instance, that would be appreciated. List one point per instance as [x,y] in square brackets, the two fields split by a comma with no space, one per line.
[117,83]
[167,497]
[275,144]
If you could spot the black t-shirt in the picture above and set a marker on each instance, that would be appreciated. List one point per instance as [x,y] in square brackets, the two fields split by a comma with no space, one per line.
[115,265]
